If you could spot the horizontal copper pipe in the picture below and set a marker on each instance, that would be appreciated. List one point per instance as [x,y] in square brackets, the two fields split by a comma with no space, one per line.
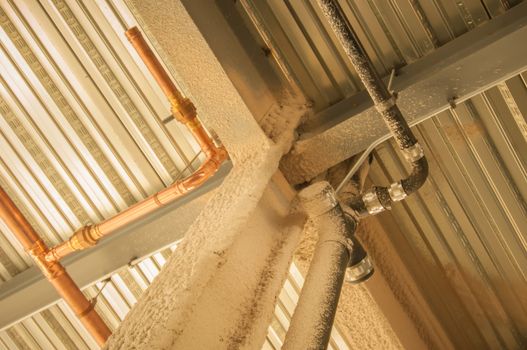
[54,271]
[185,112]
[88,236]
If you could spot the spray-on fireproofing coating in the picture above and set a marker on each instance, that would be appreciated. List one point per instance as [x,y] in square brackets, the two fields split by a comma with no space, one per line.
[385,104]
[314,315]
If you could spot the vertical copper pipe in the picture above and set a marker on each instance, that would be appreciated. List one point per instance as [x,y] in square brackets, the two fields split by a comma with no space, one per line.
[154,66]
[182,108]
[54,271]
[185,112]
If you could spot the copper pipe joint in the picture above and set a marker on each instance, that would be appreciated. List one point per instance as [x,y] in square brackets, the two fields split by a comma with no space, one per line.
[182,108]
[58,252]
[88,236]
[185,112]
[50,270]
[85,237]
[53,270]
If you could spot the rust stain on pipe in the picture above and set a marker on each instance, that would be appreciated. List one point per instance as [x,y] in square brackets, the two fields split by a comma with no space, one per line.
[185,112]
[53,270]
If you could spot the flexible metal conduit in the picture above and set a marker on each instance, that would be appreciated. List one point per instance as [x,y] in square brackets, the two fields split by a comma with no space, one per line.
[185,112]
[314,314]
[378,198]
[54,271]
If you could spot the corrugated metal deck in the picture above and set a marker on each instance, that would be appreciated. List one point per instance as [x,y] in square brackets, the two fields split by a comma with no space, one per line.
[466,231]
[393,32]
[84,133]
[464,234]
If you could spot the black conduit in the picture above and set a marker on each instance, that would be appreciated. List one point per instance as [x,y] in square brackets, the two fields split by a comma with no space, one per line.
[378,198]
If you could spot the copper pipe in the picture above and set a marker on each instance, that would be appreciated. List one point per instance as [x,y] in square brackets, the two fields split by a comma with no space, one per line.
[53,270]
[182,108]
[185,112]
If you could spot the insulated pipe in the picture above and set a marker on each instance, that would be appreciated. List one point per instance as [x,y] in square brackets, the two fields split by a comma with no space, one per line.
[314,314]
[378,198]
[185,112]
[54,271]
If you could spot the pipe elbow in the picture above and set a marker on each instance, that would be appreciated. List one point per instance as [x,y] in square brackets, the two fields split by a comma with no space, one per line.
[379,199]
[417,178]
[220,155]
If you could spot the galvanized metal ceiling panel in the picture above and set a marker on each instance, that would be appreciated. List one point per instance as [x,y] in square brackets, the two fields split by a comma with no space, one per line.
[393,32]
[466,229]
[84,132]
[464,233]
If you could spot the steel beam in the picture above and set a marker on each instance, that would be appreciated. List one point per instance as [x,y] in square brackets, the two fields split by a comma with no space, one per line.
[29,292]
[458,70]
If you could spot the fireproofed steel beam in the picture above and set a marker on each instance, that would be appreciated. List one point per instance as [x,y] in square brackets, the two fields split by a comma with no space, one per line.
[455,72]
[29,292]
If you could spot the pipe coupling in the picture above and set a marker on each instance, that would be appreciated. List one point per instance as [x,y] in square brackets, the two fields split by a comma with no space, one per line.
[413,153]
[37,249]
[183,109]
[318,198]
[85,237]
[372,202]
[397,192]
[359,272]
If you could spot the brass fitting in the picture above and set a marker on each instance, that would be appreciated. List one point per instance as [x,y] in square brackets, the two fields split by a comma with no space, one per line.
[85,237]
[52,269]
[183,109]
[185,112]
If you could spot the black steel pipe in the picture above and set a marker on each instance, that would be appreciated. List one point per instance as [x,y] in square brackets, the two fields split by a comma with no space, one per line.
[378,198]
[314,315]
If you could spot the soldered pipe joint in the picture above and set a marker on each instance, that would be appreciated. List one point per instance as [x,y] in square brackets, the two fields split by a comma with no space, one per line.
[50,269]
[85,237]
[133,33]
